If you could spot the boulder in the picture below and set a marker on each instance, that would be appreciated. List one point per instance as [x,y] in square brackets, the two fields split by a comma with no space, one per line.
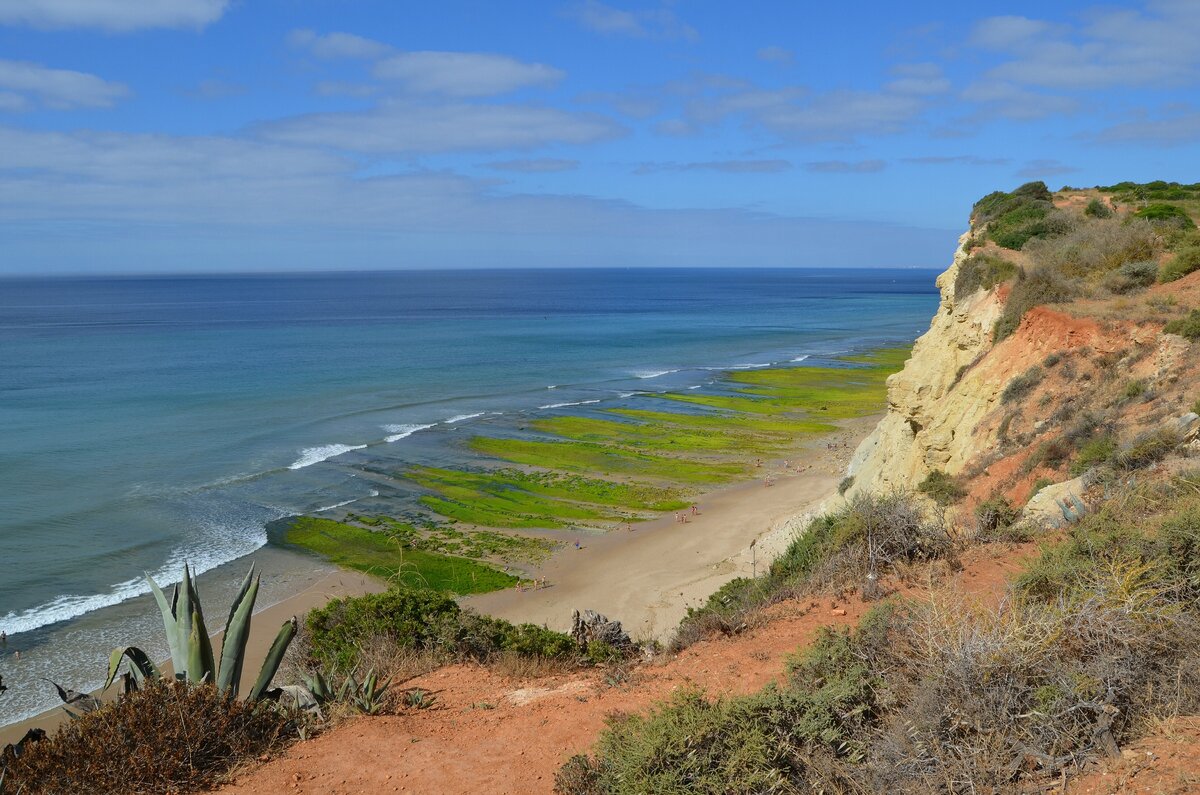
[1058,504]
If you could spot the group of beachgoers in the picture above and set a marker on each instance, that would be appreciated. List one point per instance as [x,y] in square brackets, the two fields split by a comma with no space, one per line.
[683,517]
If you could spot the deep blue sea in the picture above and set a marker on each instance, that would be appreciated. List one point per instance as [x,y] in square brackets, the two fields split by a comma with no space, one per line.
[151,421]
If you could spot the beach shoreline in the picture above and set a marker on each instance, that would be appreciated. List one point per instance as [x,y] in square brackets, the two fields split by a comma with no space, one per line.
[646,577]
[264,626]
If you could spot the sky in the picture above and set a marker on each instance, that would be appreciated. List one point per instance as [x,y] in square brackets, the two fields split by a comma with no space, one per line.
[183,136]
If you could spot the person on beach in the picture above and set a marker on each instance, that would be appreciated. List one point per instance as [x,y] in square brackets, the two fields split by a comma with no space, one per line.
[577,544]
[695,510]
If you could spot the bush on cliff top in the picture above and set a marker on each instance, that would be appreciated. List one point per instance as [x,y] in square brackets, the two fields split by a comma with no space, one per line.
[981,272]
[424,621]
[166,737]
[1041,287]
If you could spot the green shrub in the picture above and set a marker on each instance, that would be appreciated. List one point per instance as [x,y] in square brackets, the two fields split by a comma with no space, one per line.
[1097,208]
[166,737]
[995,514]
[845,484]
[1093,453]
[981,272]
[1052,360]
[1186,326]
[1185,261]
[1131,276]
[941,488]
[1148,448]
[1020,387]
[1095,247]
[1168,214]
[421,620]
[1042,287]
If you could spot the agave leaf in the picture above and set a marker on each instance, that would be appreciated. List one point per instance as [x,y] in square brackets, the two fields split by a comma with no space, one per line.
[169,624]
[201,644]
[241,594]
[183,628]
[200,664]
[274,658]
[139,662]
[237,633]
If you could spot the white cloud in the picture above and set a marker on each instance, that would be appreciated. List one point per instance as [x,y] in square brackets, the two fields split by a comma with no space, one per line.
[464,74]
[999,98]
[776,54]
[1176,129]
[396,127]
[112,15]
[1040,169]
[110,199]
[27,84]
[918,79]
[724,166]
[540,165]
[338,45]
[845,166]
[1154,46]
[661,22]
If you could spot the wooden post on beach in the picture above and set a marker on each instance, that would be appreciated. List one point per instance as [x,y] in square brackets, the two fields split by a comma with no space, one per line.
[753,559]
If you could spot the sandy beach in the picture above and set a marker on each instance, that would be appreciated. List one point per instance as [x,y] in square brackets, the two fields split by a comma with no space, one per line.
[648,577]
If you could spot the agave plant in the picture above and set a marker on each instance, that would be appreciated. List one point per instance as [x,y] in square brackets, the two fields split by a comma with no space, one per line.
[191,650]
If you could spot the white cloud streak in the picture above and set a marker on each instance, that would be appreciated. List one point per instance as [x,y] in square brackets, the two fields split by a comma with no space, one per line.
[28,84]
[464,74]
[119,16]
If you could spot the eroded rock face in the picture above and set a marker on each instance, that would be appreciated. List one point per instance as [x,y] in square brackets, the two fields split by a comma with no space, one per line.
[590,625]
[935,396]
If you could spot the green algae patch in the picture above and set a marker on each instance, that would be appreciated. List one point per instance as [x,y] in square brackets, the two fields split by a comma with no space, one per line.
[383,554]
[556,485]
[589,457]
[670,437]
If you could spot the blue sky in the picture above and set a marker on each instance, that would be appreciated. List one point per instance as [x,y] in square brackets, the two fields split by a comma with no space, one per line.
[229,135]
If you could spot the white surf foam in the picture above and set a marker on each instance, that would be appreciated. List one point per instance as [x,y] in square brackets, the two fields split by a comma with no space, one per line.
[653,373]
[335,505]
[461,417]
[800,358]
[749,366]
[398,432]
[226,542]
[315,455]
[697,386]
[572,403]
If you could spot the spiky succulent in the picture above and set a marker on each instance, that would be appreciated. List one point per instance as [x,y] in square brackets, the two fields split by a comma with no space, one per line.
[191,650]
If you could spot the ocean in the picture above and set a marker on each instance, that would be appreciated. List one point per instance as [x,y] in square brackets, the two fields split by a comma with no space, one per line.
[149,421]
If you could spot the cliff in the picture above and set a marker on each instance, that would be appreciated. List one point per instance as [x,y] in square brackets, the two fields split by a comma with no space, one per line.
[931,409]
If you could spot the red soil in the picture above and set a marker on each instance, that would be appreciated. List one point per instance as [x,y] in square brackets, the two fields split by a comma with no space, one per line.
[1165,763]
[485,733]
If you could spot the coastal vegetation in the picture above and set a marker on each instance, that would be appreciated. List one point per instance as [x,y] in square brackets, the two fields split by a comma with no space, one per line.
[346,633]
[165,734]
[1096,638]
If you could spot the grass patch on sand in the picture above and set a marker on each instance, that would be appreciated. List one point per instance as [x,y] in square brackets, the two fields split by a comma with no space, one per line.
[667,437]
[384,554]
[590,458]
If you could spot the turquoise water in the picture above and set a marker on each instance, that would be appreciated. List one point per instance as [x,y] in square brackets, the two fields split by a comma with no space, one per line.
[149,421]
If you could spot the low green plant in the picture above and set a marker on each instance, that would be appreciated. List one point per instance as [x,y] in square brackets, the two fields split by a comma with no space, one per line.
[1185,261]
[1094,452]
[1171,214]
[1147,449]
[1132,276]
[1188,327]
[941,488]
[1097,208]
[1020,386]
[981,272]
[1040,287]
[421,620]
[995,514]
[845,484]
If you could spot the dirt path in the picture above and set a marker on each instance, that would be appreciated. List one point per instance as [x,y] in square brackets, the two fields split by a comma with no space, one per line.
[488,734]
